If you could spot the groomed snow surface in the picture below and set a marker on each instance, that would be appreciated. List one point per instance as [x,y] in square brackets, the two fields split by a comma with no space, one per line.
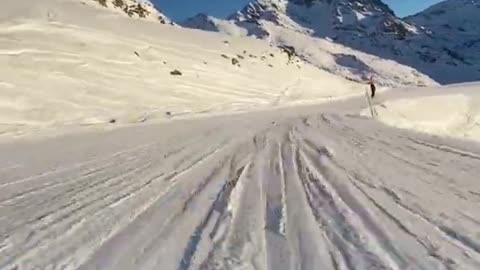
[306,188]
[261,181]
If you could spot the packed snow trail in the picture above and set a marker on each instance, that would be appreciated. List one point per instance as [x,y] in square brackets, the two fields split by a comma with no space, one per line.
[303,188]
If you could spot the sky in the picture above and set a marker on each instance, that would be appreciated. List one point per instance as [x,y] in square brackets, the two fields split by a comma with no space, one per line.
[181,9]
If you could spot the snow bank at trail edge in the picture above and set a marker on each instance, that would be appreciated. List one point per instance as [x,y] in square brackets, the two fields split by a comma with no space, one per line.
[66,63]
[450,111]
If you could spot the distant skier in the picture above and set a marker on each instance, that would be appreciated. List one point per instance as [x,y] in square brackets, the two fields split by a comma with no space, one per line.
[373,88]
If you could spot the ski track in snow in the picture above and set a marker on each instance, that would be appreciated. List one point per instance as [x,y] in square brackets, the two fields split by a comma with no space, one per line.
[270,190]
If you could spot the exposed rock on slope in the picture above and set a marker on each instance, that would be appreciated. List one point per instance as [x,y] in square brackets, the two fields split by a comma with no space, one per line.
[134,8]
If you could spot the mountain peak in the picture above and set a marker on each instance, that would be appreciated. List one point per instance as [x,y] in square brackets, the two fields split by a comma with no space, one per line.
[359,5]
[323,18]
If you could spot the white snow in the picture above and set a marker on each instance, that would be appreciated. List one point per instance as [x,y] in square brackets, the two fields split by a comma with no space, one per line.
[449,111]
[306,187]
[281,185]
[63,69]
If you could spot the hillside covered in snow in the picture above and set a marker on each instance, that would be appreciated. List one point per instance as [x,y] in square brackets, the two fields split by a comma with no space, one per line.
[149,146]
[369,27]
[455,29]
[117,69]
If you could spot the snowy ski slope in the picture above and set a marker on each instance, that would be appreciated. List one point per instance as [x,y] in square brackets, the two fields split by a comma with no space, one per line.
[301,188]
[263,181]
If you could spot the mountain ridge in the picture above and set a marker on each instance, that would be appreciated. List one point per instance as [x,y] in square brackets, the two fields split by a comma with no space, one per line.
[367,26]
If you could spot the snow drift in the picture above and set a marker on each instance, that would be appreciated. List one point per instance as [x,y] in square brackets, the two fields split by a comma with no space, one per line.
[449,111]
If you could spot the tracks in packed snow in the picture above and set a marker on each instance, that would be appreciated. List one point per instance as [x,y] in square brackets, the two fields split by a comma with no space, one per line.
[317,192]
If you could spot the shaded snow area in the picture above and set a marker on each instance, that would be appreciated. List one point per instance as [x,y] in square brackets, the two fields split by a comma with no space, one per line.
[323,53]
[62,69]
[347,62]
[447,111]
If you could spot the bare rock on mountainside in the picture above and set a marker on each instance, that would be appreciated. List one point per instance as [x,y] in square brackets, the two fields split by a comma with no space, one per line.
[289,50]
[102,2]
[442,42]
[176,72]
[143,9]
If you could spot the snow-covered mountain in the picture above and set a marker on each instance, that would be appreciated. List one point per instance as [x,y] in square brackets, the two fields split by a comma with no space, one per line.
[133,8]
[455,25]
[318,31]
[367,26]
[208,23]
[319,18]
[460,17]
[325,17]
